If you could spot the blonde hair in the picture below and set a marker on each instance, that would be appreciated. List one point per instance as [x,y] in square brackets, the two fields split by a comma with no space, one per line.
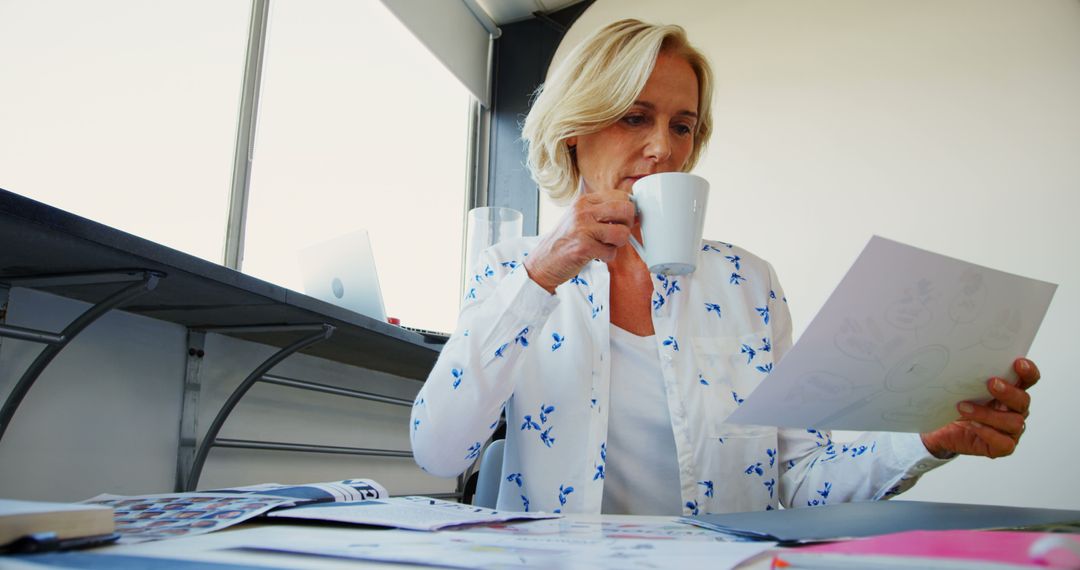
[597,84]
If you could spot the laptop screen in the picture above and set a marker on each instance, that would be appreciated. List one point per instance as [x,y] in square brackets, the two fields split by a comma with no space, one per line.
[342,271]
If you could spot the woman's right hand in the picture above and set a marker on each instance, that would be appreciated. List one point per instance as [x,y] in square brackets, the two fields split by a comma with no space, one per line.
[596,225]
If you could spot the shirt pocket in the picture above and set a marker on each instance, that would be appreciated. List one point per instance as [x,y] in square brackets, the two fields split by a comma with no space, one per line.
[743,466]
[735,364]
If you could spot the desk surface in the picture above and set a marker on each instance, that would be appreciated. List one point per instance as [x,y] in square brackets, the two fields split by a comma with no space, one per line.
[42,240]
[705,549]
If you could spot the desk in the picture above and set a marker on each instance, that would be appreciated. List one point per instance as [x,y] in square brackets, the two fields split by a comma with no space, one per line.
[41,240]
[572,542]
[54,251]
[661,531]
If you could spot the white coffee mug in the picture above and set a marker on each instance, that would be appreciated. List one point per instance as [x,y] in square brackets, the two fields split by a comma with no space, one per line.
[671,210]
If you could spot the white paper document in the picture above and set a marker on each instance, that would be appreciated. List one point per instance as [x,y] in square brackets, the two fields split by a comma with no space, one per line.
[478,549]
[415,513]
[906,336]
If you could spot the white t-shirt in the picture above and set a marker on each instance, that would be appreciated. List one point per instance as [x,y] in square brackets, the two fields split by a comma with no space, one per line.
[643,472]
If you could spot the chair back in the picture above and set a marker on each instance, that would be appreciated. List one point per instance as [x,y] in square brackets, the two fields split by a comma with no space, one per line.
[487,484]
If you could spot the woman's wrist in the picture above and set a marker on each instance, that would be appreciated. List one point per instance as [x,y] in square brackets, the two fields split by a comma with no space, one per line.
[538,277]
[936,450]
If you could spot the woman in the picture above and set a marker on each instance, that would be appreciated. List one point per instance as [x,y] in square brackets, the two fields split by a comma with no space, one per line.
[616,382]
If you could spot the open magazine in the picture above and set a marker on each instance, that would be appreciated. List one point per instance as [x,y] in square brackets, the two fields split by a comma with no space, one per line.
[143,518]
[355,501]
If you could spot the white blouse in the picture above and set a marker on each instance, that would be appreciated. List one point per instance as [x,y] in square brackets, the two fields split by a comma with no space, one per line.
[546,359]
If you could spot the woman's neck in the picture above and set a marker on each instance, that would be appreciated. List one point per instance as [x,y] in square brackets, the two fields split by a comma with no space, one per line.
[631,292]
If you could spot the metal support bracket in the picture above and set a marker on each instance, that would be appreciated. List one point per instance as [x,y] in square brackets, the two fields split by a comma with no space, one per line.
[210,439]
[189,405]
[309,448]
[4,294]
[147,281]
[335,390]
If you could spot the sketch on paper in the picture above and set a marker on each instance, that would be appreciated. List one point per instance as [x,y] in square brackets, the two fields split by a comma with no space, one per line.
[906,336]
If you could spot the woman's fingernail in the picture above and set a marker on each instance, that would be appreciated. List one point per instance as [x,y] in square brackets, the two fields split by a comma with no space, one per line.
[1025,366]
[999,385]
[965,408]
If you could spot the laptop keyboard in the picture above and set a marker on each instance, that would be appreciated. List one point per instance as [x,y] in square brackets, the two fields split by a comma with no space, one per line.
[431,337]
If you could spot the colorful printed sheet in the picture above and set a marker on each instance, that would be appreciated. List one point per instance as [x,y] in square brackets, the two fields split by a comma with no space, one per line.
[143,518]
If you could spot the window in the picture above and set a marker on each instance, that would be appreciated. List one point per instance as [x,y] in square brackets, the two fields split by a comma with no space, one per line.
[360,127]
[124,112]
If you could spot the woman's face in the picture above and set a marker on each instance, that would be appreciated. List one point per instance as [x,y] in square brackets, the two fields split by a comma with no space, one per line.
[655,135]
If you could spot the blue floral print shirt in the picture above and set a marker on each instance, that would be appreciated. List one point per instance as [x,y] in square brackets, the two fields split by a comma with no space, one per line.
[545,359]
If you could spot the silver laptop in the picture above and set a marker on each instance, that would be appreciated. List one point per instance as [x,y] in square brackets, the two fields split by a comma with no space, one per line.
[342,271]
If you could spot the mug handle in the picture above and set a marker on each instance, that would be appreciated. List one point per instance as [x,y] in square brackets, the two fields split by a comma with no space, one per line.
[633,240]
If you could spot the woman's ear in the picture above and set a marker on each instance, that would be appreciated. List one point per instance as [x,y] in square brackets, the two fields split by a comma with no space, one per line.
[571,143]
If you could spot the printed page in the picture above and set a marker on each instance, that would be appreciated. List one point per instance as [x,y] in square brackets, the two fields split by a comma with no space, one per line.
[331,491]
[144,518]
[416,513]
[471,549]
[906,336]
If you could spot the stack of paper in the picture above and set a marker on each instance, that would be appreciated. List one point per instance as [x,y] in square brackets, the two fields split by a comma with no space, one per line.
[959,549]
[850,520]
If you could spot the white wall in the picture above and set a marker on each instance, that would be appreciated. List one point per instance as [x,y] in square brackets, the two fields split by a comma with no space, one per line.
[104,417]
[952,125]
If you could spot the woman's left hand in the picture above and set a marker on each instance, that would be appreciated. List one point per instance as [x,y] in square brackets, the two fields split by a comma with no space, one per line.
[992,429]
